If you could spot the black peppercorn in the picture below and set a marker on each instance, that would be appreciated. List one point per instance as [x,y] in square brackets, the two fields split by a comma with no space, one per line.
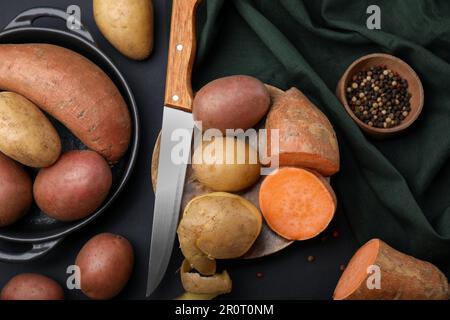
[379,97]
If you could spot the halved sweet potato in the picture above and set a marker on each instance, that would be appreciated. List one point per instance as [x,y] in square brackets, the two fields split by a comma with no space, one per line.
[306,137]
[401,277]
[296,203]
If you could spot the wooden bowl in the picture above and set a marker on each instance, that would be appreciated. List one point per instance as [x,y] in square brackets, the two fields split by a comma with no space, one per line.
[404,70]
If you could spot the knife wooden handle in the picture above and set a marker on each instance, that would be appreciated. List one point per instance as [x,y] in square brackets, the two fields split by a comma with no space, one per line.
[182,49]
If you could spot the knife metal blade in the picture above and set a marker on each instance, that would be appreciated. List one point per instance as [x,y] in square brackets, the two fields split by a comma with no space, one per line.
[177,124]
[169,192]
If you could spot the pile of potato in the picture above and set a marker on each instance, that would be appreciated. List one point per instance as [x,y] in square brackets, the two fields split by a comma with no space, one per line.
[105,264]
[296,201]
[42,79]
[68,186]
[77,93]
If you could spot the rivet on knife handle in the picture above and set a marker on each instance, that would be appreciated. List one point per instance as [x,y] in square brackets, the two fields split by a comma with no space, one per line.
[182,49]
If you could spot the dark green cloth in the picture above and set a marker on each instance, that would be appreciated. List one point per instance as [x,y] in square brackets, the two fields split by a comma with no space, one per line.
[397,189]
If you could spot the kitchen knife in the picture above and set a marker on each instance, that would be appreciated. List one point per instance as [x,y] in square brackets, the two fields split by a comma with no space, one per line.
[176,135]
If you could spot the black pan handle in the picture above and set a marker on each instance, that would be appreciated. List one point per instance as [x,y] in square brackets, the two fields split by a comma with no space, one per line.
[37,250]
[26,19]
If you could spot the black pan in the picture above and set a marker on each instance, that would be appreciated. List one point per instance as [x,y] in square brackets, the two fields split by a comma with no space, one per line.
[40,232]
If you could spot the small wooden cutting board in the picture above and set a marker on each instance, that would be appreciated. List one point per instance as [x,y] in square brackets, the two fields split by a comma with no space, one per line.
[268,241]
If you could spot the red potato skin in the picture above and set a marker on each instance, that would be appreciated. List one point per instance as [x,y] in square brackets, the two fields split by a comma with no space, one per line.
[16,191]
[73,90]
[307,138]
[106,263]
[30,286]
[74,187]
[235,102]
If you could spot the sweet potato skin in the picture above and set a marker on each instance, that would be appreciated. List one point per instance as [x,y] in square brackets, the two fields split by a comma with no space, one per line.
[16,191]
[403,277]
[73,90]
[307,138]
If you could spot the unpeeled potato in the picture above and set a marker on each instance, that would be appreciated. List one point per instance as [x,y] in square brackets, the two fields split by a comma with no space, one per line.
[26,135]
[234,102]
[127,24]
[74,187]
[217,226]
[106,262]
[31,286]
[16,191]
[226,164]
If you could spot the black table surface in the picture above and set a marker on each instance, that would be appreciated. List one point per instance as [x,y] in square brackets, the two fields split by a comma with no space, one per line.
[285,275]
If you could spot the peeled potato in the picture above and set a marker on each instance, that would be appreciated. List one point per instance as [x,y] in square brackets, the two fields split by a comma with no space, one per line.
[187,234]
[127,24]
[217,226]
[226,164]
[198,284]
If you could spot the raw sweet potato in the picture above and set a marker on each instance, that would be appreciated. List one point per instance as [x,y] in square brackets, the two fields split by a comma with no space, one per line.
[296,203]
[402,277]
[306,137]
[73,90]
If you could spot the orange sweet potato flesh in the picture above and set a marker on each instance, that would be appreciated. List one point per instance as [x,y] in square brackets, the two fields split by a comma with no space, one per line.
[402,277]
[296,203]
[73,90]
[307,138]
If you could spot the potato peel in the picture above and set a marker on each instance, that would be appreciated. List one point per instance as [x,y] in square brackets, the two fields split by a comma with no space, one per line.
[198,284]
[217,226]
[196,296]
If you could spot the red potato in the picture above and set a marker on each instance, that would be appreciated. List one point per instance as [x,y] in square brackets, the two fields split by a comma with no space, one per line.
[235,102]
[73,90]
[16,191]
[106,262]
[30,286]
[296,203]
[306,137]
[402,277]
[74,187]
